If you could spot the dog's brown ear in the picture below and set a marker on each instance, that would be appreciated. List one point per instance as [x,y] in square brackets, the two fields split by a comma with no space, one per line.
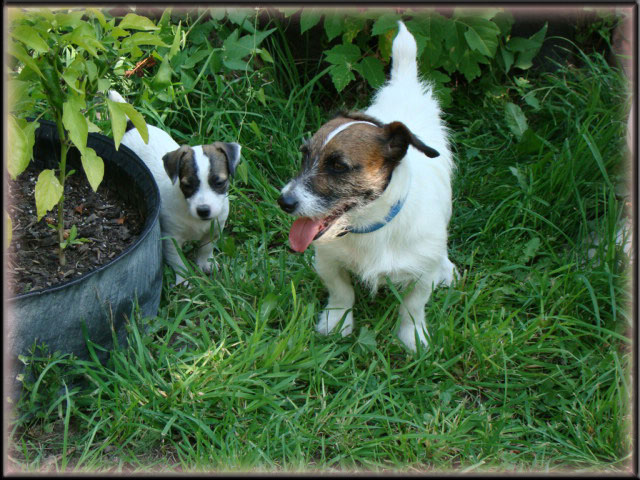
[232,152]
[172,162]
[398,137]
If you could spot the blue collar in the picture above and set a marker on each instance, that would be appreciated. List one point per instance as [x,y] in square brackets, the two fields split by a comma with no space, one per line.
[395,209]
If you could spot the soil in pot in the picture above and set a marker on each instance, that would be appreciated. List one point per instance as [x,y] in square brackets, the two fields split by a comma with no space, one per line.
[103,217]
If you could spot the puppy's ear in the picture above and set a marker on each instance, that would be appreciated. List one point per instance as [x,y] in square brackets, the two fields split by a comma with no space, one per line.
[232,152]
[397,138]
[172,162]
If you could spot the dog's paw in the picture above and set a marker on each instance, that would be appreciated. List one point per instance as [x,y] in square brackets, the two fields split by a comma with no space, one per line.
[407,335]
[330,318]
[449,273]
[207,265]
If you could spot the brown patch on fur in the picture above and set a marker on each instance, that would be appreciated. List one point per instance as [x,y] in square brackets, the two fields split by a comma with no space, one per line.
[352,164]
[179,163]
[218,158]
[219,170]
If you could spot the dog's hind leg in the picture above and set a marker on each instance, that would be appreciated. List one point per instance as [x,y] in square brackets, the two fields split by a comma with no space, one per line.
[412,320]
[341,296]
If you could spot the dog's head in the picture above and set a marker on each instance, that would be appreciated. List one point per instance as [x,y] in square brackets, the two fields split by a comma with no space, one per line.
[203,173]
[346,165]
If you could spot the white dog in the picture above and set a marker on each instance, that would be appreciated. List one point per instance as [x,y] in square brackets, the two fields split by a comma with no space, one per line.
[193,184]
[376,201]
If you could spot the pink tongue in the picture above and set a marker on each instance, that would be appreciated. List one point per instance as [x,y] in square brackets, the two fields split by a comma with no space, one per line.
[302,232]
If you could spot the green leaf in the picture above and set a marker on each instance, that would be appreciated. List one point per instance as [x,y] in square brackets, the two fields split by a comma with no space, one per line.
[118,121]
[18,51]
[372,71]
[137,119]
[237,15]
[19,96]
[175,46]
[132,21]
[30,38]
[265,55]
[367,339]
[384,23]
[530,249]
[48,192]
[468,65]
[100,16]
[146,38]
[482,35]
[93,167]
[351,27]
[74,121]
[333,25]
[525,58]
[309,18]
[531,100]
[162,79]
[21,138]
[92,70]
[516,120]
[72,72]
[341,75]
[343,54]
[104,84]
[507,58]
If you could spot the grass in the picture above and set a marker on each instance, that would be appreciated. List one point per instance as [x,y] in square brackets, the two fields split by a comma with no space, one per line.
[529,366]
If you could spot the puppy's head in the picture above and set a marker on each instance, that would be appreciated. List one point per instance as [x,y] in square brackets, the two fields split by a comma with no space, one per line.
[346,165]
[202,173]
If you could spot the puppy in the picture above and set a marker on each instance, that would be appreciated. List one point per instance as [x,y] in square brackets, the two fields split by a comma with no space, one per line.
[193,184]
[375,199]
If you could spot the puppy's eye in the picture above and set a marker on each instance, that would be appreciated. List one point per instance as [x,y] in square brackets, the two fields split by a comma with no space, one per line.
[336,164]
[218,183]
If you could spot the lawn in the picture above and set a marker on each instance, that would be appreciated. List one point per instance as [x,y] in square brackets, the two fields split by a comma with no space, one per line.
[530,360]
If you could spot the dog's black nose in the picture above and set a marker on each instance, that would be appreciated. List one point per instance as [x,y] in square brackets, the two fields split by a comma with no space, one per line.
[203,210]
[287,202]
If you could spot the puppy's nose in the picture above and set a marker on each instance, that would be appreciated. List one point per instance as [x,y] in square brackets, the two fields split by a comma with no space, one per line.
[287,202]
[203,211]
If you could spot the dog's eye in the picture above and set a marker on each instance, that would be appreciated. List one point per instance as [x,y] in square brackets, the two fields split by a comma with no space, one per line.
[218,183]
[336,164]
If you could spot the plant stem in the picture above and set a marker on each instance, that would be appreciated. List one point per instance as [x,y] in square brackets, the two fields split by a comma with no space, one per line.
[64,148]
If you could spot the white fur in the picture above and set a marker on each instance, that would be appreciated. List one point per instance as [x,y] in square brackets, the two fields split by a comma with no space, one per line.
[412,248]
[178,217]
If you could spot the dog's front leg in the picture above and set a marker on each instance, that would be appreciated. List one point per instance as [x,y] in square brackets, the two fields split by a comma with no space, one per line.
[172,257]
[204,258]
[412,320]
[205,252]
[341,295]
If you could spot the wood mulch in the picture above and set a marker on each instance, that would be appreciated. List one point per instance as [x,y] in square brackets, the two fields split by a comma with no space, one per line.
[109,224]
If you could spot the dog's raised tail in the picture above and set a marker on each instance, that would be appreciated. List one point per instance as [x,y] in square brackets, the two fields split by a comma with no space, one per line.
[403,54]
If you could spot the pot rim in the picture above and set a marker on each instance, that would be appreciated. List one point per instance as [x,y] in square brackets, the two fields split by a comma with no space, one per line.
[150,220]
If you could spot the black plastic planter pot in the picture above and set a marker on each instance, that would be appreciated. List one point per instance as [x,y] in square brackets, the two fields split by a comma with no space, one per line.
[103,298]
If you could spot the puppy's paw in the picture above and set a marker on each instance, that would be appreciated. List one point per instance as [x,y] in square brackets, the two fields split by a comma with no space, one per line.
[207,265]
[407,335]
[331,317]
[180,280]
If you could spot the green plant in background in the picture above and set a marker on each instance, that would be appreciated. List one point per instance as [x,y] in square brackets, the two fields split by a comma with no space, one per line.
[455,45]
[65,61]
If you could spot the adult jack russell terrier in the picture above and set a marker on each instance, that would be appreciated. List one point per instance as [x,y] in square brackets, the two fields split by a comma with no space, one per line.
[375,200]
[193,184]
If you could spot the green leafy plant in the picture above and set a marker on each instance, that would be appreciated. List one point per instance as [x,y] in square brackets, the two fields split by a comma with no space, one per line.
[66,59]
[463,44]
